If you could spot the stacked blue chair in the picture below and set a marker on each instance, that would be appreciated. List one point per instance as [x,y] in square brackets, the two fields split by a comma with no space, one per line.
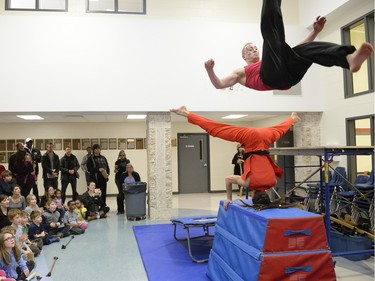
[363,199]
[345,199]
[338,183]
[272,244]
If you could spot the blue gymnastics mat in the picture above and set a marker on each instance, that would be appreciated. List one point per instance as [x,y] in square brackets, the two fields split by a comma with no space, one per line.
[166,259]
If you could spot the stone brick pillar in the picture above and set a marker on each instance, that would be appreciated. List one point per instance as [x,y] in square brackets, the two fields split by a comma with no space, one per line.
[159,165]
[307,134]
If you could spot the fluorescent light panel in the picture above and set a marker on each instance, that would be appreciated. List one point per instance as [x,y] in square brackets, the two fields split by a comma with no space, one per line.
[234,116]
[141,116]
[30,117]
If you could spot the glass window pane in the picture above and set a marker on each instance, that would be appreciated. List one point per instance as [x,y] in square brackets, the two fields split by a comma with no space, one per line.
[102,5]
[52,4]
[22,4]
[132,6]
[360,78]
[363,138]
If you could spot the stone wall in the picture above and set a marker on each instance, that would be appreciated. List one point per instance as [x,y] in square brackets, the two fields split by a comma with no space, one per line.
[307,134]
[159,165]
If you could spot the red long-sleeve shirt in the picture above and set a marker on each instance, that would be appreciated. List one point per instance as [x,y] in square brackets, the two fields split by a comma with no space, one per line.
[260,168]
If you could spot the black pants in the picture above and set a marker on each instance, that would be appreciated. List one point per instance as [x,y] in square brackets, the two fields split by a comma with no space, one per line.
[64,185]
[120,196]
[36,193]
[102,185]
[26,188]
[283,66]
[87,177]
[50,182]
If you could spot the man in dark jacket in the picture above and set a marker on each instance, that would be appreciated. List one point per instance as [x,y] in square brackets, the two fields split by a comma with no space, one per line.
[98,167]
[51,167]
[69,173]
[37,158]
[12,159]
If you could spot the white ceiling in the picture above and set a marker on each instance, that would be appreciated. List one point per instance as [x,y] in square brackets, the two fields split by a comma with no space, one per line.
[83,117]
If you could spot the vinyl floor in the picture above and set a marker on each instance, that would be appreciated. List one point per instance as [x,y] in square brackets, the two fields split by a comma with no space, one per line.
[108,250]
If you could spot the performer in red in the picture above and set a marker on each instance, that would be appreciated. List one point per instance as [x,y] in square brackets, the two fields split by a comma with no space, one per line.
[260,170]
[282,66]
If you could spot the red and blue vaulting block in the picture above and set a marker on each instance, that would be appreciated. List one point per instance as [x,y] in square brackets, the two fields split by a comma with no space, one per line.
[272,244]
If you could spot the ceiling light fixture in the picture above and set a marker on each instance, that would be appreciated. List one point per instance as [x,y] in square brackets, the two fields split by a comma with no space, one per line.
[234,116]
[30,117]
[140,116]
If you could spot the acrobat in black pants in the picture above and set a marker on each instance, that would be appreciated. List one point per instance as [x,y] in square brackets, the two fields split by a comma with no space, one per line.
[283,66]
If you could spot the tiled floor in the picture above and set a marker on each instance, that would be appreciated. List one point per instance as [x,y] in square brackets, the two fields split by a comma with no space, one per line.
[108,250]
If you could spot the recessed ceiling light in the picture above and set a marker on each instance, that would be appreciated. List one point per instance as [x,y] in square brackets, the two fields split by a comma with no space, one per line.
[30,117]
[234,116]
[140,116]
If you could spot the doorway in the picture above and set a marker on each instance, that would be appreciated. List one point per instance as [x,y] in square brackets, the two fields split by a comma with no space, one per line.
[193,163]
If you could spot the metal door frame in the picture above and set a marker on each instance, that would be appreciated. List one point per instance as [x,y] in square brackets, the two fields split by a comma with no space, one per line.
[208,160]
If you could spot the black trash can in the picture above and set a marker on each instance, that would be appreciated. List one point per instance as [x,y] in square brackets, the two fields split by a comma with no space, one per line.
[135,200]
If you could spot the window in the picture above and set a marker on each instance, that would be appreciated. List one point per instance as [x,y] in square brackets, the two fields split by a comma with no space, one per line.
[355,33]
[360,132]
[117,6]
[37,5]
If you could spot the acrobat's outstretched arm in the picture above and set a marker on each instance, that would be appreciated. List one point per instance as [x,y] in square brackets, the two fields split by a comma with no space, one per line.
[318,26]
[225,82]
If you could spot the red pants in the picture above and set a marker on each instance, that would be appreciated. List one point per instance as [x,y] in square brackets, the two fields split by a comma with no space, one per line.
[260,168]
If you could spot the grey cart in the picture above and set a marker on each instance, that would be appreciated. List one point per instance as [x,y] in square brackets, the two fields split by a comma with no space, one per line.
[135,200]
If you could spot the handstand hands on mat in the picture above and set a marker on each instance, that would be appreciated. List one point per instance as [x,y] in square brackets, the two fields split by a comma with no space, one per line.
[282,66]
[260,170]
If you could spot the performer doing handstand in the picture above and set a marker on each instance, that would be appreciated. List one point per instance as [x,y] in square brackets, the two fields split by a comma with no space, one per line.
[260,170]
[282,66]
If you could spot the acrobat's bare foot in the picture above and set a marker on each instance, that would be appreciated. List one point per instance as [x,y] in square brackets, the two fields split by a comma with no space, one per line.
[356,59]
[181,111]
[295,117]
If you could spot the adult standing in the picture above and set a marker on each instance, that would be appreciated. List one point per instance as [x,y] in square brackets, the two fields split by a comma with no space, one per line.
[51,167]
[98,167]
[25,172]
[120,167]
[36,157]
[84,164]
[69,173]
[237,161]
[12,159]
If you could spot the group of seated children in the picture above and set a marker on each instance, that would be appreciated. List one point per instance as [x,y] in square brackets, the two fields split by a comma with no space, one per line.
[30,229]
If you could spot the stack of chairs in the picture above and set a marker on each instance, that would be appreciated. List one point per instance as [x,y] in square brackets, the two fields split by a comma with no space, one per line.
[338,183]
[363,202]
[344,199]
[313,190]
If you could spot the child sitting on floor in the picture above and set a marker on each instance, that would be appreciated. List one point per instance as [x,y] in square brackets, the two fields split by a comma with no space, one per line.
[15,218]
[11,260]
[52,222]
[81,211]
[36,230]
[25,230]
[31,205]
[71,220]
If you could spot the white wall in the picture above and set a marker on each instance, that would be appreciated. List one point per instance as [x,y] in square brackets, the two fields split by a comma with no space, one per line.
[310,9]
[330,80]
[336,107]
[63,60]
